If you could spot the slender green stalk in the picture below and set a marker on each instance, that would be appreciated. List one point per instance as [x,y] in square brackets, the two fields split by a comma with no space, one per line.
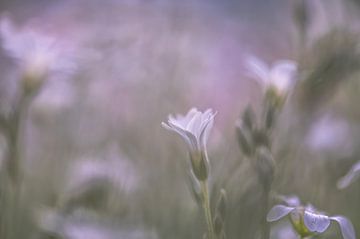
[11,186]
[265,225]
[207,209]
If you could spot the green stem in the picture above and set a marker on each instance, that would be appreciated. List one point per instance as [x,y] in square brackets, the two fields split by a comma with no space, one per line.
[265,225]
[207,209]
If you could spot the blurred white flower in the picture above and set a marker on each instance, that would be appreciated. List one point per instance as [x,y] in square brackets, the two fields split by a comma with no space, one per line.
[194,127]
[283,231]
[84,224]
[280,76]
[307,221]
[329,133]
[98,231]
[351,176]
[115,173]
[38,54]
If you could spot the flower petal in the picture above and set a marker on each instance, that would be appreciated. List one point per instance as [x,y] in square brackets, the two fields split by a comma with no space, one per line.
[278,212]
[316,222]
[291,200]
[349,177]
[182,120]
[186,135]
[347,229]
[194,125]
[282,74]
[258,69]
[205,131]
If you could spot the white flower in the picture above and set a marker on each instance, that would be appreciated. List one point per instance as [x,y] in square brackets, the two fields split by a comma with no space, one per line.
[194,128]
[350,177]
[280,75]
[307,221]
[38,54]
[330,134]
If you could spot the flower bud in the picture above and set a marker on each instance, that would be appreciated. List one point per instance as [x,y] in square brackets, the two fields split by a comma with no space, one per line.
[302,15]
[261,138]
[221,204]
[195,188]
[248,118]
[218,225]
[265,166]
[245,140]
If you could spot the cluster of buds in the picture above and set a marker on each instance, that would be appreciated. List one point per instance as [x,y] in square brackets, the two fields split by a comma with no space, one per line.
[307,221]
[254,141]
[254,134]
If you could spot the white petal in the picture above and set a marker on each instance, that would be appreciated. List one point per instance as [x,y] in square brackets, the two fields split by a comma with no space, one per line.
[258,69]
[178,121]
[205,131]
[194,125]
[350,176]
[189,116]
[186,135]
[316,222]
[282,74]
[347,229]
[291,200]
[278,212]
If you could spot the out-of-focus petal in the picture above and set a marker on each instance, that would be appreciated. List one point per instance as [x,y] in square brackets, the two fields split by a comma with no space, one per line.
[346,227]
[353,174]
[282,75]
[291,200]
[278,212]
[258,69]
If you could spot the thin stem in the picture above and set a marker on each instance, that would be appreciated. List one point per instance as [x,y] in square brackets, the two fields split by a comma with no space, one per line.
[265,225]
[207,210]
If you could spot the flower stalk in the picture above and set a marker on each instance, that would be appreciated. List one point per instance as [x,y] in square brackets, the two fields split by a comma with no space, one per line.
[207,209]
[194,129]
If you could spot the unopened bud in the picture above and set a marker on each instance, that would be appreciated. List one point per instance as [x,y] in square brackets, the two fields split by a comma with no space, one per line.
[261,138]
[221,204]
[271,109]
[218,225]
[302,15]
[248,118]
[265,166]
[200,165]
[195,188]
[245,140]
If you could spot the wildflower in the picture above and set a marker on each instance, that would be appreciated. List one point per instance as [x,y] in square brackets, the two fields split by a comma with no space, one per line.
[307,221]
[279,77]
[350,177]
[194,129]
[38,54]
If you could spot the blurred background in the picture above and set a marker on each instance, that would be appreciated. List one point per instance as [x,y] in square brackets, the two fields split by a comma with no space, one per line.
[96,162]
